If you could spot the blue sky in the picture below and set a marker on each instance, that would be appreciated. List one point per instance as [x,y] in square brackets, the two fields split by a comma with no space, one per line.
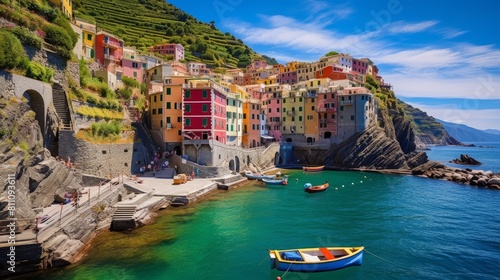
[441,56]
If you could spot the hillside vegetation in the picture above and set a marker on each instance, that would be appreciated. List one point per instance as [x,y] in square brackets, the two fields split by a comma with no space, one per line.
[145,23]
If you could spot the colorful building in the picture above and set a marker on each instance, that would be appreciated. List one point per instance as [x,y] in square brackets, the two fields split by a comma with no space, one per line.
[197,69]
[327,110]
[133,66]
[204,120]
[108,50]
[251,123]
[88,37]
[174,50]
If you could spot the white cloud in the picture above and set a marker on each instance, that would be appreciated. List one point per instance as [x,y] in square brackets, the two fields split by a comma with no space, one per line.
[404,27]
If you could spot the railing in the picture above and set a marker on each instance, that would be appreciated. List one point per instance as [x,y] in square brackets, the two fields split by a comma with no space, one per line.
[346,102]
[291,113]
[112,57]
[111,43]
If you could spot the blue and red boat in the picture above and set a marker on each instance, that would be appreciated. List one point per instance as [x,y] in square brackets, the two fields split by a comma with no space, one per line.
[316,259]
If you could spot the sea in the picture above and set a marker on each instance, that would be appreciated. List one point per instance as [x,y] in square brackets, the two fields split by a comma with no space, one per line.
[412,228]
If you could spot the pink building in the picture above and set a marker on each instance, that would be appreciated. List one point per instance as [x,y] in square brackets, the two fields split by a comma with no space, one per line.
[133,66]
[359,66]
[287,78]
[175,50]
[272,100]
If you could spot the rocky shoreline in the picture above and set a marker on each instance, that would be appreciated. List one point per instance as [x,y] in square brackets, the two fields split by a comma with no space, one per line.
[479,178]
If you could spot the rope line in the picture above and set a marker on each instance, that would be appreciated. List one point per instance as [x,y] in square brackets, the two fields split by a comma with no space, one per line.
[263,260]
[286,271]
[381,258]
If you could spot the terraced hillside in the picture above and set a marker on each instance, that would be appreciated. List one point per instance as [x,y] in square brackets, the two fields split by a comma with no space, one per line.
[144,23]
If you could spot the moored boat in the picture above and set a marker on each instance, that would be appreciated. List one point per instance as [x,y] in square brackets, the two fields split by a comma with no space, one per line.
[256,176]
[308,187]
[275,182]
[313,168]
[316,259]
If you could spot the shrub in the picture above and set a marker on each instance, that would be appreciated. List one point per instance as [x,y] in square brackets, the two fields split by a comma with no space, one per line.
[58,37]
[39,72]
[125,93]
[130,82]
[105,129]
[11,50]
[26,37]
[64,23]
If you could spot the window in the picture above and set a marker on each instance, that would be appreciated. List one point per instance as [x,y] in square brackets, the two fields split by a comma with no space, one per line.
[188,108]
[179,119]
[161,123]
[312,108]
[341,108]
[204,122]
[300,118]
[89,37]
[135,74]
[300,109]
[169,105]
[284,119]
[160,111]
[204,94]
[169,91]
[188,94]
[352,117]
[154,112]
[161,97]
[135,65]
[204,108]
[168,119]
[154,98]
[188,122]
[245,116]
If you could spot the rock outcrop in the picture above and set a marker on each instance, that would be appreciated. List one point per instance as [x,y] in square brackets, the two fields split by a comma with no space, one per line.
[465,160]
[370,149]
[480,178]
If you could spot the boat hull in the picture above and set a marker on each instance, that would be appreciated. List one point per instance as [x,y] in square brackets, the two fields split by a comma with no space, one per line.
[301,266]
[274,182]
[259,177]
[314,189]
[313,168]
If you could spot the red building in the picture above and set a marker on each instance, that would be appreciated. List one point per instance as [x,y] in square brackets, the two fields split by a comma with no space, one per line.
[331,72]
[204,110]
[108,50]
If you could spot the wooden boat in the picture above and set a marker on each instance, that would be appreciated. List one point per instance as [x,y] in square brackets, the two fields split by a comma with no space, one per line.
[313,168]
[312,189]
[255,176]
[274,182]
[316,259]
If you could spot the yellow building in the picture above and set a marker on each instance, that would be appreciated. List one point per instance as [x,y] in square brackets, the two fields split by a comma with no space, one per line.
[66,6]
[268,81]
[88,37]
[310,91]
[293,128]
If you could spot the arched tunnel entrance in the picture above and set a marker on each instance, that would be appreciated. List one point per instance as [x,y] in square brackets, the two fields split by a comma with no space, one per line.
[35,101]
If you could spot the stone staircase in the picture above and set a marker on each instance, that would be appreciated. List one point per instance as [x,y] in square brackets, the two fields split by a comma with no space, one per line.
[142,136]
[131,113]
[61,105]
[124,212]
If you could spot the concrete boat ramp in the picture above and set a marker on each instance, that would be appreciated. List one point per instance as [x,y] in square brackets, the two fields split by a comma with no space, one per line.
[150,193]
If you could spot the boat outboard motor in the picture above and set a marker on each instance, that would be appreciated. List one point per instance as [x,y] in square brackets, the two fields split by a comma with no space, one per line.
[307,185]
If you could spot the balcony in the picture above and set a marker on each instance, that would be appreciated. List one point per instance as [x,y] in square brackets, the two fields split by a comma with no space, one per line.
[346,102]
[112,57]
[111,44]
[326,110]
[291,113]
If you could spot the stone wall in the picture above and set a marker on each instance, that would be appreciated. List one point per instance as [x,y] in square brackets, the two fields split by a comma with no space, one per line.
[96,159]
[227,158]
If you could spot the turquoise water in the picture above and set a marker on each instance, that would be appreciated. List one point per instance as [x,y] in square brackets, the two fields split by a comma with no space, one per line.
[412,227]
[488,155]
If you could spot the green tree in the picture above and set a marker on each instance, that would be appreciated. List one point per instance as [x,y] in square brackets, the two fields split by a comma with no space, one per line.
[331,53]
[11,51]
